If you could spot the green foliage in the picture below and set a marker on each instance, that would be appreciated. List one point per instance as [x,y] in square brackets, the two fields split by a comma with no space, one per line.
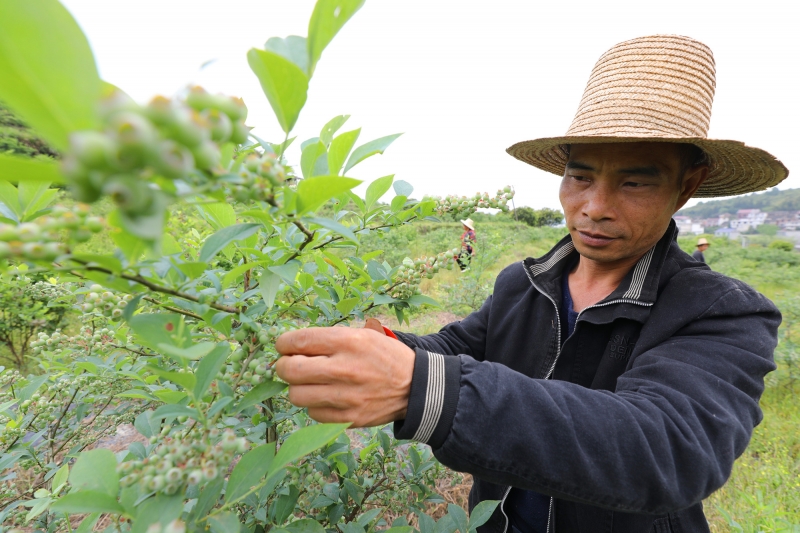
[18,139]
[786,246]
[772,200]
[213,248]
[767,229]
[538,217]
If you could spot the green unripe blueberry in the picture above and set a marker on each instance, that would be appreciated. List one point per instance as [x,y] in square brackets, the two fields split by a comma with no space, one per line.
[93,149]
[129,193]
[156,483]
[240,132]
[253,364]
[173,160]
[240,335]
[207,155]
[220,123]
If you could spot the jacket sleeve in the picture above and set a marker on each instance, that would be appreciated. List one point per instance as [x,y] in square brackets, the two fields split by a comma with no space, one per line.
[664,440]
[467,336]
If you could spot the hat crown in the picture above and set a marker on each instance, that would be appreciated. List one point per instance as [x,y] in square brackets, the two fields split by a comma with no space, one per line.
[660,86]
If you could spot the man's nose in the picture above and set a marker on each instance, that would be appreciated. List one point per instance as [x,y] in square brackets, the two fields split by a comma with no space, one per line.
[600,203]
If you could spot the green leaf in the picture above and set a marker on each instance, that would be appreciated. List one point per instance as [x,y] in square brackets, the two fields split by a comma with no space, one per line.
[14,168]
[208,497]
[284,83]
[49,75]
[403,188]
[106,261]
[287,271]
[304,441]
[335,227]
[192,270]
[268,286]
[481,513]
[284,506]
[185,380]
[209,367]
[96,470]
[225,522]
[153,329]
[337,262]
[313,192]
[249,470]
[35,196]
[459,517]
[378,146]
[398,203]
[425,523]
[222,238]
[61,476]
[308,159]
[132,246]
[330,129]
[347,305]
[32,386]
[159,509]
[294,48]
[193,353]
[236,272]
[87,524]
[376,189]
[327,19]
[419,299]
[305,525]
[218,214]
[145,425]
[9,196]
[174,410]
[339,150]
[88,501]
[259,393]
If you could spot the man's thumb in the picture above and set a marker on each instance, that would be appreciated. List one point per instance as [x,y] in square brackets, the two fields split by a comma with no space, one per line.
[375,325]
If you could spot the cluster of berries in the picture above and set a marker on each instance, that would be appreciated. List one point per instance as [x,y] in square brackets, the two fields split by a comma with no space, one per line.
[44,239]
[181,461]
[462,206]
[252,338]
[85,341]
[109,304]
[167,138]
[258,175]
[410,273]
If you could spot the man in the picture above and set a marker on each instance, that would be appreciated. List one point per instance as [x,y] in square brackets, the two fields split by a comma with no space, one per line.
[593,391]
[702,246]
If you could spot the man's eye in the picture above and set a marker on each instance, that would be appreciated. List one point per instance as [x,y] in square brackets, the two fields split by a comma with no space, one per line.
[579,178]
[633,184]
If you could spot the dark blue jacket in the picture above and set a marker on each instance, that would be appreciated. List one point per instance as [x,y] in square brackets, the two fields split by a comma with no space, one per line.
[631,424]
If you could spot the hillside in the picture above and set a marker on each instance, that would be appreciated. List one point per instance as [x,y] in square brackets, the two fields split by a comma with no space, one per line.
[772,200]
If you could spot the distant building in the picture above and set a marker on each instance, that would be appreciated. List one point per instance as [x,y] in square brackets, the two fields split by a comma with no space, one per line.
[748,218]
[727,232]
[686,226]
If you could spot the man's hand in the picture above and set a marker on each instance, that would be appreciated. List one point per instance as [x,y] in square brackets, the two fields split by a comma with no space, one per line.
[347,375]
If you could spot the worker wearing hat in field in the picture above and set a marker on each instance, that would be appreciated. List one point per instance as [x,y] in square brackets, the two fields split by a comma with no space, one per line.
[468,240]
[593,391]
[702,246]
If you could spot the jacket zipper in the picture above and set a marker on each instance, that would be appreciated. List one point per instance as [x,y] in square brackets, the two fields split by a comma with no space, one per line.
[548,376]
[552,368]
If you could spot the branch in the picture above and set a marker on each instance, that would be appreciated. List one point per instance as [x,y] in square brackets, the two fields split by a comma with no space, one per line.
[154,287]
[173,308]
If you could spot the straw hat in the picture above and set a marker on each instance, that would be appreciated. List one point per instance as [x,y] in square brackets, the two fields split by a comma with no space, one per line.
[657,89]
[469,223]
[701,241]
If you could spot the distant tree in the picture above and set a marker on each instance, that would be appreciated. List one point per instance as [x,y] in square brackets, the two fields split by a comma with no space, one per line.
[17,138]
[772,200]
[768,229]
[539,217]
[786,246]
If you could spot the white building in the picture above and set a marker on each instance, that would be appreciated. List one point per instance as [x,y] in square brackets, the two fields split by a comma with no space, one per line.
[687,227]
[748,218]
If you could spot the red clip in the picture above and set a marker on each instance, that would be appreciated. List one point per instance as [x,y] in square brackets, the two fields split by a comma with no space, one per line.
[389,333]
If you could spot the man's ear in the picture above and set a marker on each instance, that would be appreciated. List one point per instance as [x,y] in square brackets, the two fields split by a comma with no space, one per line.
[692,180]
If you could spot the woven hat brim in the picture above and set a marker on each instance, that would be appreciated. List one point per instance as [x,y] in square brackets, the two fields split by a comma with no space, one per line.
[734,168]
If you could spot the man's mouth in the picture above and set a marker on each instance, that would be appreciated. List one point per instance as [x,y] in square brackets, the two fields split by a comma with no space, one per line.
[595,239]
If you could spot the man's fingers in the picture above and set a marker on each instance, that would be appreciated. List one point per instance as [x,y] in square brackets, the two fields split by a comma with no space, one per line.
[321,341]
[302,370]
[375,325]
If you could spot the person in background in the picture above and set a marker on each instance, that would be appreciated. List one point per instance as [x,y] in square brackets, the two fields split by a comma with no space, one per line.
[467,244]
[702,246]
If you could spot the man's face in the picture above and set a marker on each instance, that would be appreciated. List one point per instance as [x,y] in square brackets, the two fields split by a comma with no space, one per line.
[618,198]
[702,247]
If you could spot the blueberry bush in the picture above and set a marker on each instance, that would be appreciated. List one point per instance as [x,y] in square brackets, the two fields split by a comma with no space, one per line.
[218,244]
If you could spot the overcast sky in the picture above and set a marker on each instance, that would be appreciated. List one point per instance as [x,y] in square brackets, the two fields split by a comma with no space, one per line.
[463,80]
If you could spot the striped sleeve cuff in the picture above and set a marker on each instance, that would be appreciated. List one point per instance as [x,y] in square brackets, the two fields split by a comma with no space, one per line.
[433,398]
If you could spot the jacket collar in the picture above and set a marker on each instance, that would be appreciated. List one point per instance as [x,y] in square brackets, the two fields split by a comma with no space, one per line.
[640,285]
